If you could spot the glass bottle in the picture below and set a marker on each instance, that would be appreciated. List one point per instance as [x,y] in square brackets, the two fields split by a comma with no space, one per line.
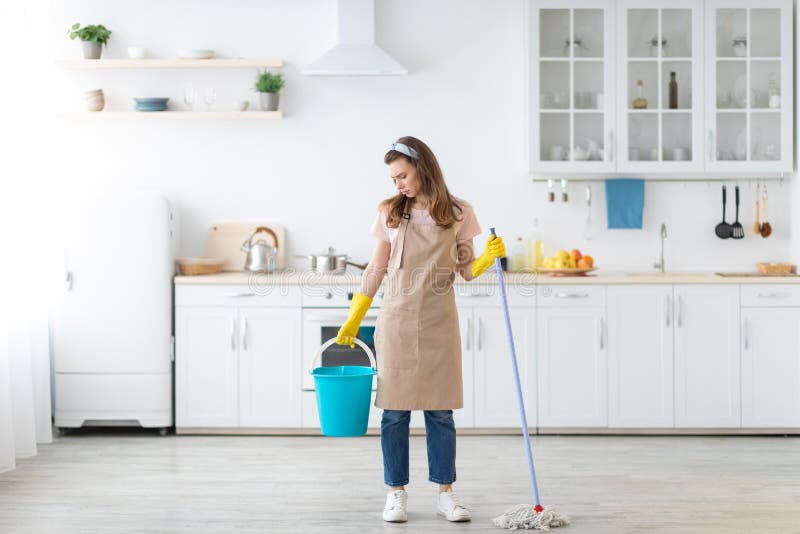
[535,246]
[640,102]
[673,91]
[519,257]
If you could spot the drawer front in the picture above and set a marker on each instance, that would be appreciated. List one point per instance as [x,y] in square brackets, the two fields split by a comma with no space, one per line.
[487,295]
[770,295]
[238,295]
[570,296]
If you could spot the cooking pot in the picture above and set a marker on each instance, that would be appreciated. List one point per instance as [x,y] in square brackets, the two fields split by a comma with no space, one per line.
[261,256]
[330,263]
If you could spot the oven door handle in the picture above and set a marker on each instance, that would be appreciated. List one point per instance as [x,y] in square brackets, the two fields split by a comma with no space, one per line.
[336,318]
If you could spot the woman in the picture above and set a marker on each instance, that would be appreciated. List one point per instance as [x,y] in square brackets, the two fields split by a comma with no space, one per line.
[424,238]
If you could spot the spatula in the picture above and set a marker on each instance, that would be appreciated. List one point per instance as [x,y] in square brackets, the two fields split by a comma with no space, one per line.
[757,224]
[737,231]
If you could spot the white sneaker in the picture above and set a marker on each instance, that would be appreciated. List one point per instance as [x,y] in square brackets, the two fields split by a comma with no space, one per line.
[395,509]
[451,508]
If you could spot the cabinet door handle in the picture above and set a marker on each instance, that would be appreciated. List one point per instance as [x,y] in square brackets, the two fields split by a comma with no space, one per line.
[746,335]
[470,295]
[602,336]
[777,295]
[244,334]
[469,332]
[611,145]
[680,311]
[667,306]
[68,281]
[233,334]
[480,333]
[239,294]
[563,295]
[710,145]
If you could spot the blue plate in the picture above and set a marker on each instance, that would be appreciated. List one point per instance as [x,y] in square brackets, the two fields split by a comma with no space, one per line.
[149,100]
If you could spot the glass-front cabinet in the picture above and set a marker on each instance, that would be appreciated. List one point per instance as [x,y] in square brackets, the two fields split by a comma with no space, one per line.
[571,70]
[749,87]
[693,87]
[660,85]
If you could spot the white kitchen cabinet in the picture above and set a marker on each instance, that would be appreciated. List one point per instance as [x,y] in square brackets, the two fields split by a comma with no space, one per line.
[771,367]
[571,366]
[269,377]
[206,367]
[496,403]
[237,361]
[640,356]
[571,46]
[656,38]
[707,364]
[749,85]
[734,66]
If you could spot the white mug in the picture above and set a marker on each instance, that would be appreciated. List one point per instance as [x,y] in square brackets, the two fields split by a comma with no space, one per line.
[557,153]
[654,154]
[680,153]
[633,153]
[599,101]
[774,101]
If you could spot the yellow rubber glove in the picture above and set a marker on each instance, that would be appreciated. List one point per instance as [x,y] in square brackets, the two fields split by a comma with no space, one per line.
[358,309]
[494,249]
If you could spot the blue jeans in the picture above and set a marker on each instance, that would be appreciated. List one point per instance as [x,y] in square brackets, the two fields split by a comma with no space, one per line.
[440,432]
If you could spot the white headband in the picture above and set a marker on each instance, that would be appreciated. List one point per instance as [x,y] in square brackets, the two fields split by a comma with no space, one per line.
[405,149]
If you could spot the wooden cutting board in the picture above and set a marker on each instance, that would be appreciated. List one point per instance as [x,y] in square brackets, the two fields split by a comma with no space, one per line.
[225,241]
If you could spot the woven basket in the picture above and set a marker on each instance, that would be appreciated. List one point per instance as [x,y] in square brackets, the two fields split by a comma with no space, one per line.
[195,266]
[776,268]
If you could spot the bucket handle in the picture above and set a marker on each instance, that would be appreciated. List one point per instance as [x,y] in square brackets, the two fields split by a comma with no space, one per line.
[332,340]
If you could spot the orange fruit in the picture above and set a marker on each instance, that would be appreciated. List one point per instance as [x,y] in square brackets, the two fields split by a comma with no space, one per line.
[583,264]
[589,260]
[575,254]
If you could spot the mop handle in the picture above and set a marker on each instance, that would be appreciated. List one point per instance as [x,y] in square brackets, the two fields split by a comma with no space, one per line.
[498,267]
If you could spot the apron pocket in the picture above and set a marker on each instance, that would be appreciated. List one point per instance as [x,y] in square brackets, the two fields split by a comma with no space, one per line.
[397,338]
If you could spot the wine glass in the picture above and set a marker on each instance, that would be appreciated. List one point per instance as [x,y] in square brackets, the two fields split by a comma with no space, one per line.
[189,95]
[210,97]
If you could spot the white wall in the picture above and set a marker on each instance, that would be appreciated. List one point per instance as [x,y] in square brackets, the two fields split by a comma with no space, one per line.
[319,172]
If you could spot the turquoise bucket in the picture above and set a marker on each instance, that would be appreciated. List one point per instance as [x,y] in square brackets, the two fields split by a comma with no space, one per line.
[343,394]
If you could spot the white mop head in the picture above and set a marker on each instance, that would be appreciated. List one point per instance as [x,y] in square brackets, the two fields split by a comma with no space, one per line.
[524,516]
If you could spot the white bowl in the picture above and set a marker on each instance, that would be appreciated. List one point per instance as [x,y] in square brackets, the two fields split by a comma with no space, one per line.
[196,53]
[136,52]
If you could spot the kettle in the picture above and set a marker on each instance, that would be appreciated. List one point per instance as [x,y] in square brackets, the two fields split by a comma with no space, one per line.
[261,256]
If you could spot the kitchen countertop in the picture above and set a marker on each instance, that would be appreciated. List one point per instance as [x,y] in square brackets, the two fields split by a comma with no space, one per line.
[353,278]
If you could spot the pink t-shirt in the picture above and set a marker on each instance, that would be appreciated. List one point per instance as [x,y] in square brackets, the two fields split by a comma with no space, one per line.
[465,229]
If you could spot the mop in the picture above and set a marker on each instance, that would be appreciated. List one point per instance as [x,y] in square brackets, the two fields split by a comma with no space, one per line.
[524,516]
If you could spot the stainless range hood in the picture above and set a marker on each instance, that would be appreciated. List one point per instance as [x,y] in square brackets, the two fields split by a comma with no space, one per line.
[356,53]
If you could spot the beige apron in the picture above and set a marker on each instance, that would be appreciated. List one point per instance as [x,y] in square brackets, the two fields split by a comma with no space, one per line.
[417,338]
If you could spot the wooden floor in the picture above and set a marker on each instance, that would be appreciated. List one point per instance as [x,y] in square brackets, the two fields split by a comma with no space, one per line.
[108,481]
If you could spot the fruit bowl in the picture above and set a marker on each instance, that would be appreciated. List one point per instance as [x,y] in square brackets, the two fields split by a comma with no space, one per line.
[566,271]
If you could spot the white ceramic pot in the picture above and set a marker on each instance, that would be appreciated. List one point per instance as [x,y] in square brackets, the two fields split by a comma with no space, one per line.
[136,52]
[95,100]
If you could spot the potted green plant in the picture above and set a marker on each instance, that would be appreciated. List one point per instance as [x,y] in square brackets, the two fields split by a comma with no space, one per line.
[93,37]
[269,86]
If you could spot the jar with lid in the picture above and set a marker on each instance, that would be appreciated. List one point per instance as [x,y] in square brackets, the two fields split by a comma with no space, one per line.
[739,45]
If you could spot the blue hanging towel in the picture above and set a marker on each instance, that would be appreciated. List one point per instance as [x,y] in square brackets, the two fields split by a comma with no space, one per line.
[624,202]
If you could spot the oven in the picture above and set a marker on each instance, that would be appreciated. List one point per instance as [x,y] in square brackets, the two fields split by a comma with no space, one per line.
[324,311]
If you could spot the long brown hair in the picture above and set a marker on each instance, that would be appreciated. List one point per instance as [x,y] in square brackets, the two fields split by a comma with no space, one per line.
[443,204]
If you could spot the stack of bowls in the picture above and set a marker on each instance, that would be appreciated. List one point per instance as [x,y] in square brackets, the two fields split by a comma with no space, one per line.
[95,100]
[151,104]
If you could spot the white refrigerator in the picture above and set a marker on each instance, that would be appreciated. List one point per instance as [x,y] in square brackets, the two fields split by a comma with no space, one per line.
[112,317]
